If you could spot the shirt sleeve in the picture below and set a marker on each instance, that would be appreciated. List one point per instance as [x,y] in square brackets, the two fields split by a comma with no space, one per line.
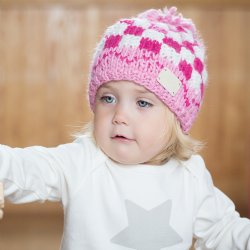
[39,173]
[217,224]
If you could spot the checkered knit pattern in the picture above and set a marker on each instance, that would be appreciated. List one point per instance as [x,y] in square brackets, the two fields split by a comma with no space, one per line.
[139,48]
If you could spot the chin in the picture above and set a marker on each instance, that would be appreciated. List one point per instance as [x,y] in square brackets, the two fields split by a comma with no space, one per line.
[127,161]
[124,157]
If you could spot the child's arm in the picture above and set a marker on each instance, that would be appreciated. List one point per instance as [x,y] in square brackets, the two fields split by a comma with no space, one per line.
[39,173]
[217,225]
[1,200]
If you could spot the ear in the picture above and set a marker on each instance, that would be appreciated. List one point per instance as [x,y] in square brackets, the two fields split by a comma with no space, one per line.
[1,200]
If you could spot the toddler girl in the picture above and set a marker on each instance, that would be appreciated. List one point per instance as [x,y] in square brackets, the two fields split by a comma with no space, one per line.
[135,181]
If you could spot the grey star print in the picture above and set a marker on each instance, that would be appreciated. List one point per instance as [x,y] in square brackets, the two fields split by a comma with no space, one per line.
[147,230]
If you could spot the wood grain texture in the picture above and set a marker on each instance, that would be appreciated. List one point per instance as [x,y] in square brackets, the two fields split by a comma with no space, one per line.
[44,60]
[29,232]
[126,4]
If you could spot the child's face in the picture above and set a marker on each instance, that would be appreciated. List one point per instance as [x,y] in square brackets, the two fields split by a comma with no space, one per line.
[131,125]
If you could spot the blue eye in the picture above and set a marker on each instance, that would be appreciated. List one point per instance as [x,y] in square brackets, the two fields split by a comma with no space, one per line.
[144,104]
[108,99]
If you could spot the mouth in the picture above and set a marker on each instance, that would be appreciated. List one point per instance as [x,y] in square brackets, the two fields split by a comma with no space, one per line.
[121,138]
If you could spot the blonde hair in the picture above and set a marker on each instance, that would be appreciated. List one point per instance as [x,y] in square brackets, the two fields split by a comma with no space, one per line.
[179,145]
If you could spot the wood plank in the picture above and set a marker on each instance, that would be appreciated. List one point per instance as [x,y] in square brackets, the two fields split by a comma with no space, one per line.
[29,232]
[128,3]
[224,120]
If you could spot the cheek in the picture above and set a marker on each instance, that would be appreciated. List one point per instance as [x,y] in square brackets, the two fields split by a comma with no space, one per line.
[101,126]
[99,117]
[102,114]
[156,131]
[152,134]
[98,127]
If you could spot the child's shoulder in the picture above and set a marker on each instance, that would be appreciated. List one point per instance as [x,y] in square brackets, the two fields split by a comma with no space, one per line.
[88,145]
[195,165]
[86,141]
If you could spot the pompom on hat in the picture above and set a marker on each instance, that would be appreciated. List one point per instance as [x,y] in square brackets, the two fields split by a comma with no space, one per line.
[159,50]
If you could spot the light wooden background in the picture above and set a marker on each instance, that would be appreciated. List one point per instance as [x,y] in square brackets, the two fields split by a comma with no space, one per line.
[45,51]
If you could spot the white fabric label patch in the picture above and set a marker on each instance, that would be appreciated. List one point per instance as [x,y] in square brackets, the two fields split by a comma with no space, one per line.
[169,81]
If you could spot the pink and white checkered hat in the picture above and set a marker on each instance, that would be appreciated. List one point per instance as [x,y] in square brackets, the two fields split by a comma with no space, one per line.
[160,50]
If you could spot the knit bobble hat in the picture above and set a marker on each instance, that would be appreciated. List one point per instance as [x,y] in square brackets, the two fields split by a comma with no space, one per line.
[159,50]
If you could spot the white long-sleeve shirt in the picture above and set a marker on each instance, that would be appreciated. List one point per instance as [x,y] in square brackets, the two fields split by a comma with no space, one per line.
[109,206]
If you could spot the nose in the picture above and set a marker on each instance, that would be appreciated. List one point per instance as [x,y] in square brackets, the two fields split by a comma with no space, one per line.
[121,115]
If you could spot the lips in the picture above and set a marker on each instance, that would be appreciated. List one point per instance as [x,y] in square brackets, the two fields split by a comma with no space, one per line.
[121,138]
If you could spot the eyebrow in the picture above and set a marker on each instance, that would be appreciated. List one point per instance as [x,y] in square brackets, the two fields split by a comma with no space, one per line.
[106,87]
[141,91]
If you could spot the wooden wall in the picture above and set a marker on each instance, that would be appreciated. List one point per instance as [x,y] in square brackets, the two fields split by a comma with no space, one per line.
[45,51]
